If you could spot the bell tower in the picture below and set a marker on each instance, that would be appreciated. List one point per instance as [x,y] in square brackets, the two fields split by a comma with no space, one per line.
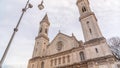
[88,21]
[95,44]
[42,39]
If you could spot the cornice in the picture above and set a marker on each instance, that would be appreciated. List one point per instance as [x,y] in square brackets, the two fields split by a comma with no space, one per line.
[95,41]
[58,54]
[105,58]
[87,14]
[42,35]
[66,52]
[108,58]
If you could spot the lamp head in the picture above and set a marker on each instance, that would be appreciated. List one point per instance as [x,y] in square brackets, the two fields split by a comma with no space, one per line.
[41,6]
[30,5]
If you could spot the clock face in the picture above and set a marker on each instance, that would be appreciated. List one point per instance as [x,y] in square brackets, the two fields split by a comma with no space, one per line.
[59,45]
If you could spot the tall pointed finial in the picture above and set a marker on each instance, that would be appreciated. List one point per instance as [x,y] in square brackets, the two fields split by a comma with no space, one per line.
[72,34]
[59,31]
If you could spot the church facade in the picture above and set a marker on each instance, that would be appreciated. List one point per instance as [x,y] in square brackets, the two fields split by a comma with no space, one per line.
[67,52]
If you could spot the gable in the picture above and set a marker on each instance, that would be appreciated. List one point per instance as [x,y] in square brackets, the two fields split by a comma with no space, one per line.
[61,43]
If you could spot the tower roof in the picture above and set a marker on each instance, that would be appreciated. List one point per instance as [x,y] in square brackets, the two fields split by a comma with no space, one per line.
[45,19]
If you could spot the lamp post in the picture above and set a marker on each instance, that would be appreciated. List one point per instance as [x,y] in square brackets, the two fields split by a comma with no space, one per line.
[27,6]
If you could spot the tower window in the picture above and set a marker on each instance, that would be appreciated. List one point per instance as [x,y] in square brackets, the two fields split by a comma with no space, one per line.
[83,9]
[42,65]
[89,27]
[90,30]
[40,30]
[46,31]
[87,22]
[96,50]
[37,64]
[82,57]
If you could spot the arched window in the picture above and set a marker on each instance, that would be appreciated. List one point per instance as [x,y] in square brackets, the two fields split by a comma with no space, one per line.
[42,65]
[83,9]
[88,24]
[36,50]
[68,58]
[51,62]
[46,31]
[96,50]
[55,62]
[90,31]
[40,30]
[59,60]
[63,59]
[32,65]
[118,65]
[82,57]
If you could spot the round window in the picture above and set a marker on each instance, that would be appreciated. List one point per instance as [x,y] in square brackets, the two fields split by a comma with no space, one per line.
[59,45]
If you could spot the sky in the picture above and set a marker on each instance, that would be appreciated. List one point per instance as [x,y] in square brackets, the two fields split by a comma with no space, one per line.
[63,15]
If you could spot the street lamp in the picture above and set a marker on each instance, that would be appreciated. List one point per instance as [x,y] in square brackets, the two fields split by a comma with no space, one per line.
[27,6]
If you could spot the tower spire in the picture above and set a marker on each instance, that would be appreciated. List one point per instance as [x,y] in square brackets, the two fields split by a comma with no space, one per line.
[45,19]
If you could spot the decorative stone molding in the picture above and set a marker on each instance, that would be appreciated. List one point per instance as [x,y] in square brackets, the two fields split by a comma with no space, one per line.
[95,41]
[87,15]
[101,59]
[74,65]
[58,54]
[42,35]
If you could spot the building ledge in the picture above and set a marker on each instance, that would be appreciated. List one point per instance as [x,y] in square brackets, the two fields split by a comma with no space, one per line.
[95,41]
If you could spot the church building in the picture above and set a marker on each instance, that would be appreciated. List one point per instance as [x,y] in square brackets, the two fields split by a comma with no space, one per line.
[67,52]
